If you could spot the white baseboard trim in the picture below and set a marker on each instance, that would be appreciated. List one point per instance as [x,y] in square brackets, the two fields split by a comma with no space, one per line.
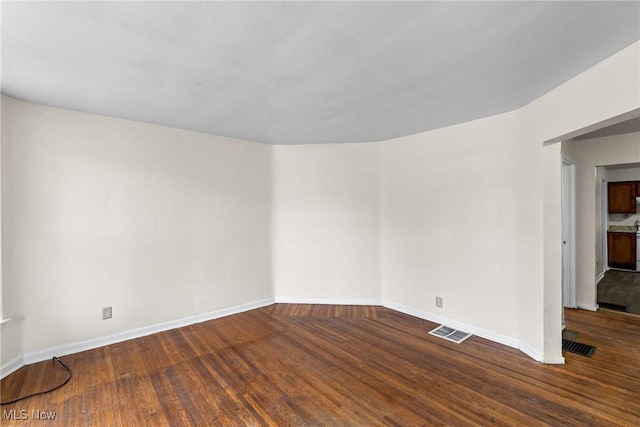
[90,344]
[588,307]
[327,301]
[559,361]
[600,277]
[491,336]
[533,353]
[66,349]
[11,366]
[484,333]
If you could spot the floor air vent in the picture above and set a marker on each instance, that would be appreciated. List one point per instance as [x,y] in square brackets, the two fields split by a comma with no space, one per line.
[578,348]
[450,334]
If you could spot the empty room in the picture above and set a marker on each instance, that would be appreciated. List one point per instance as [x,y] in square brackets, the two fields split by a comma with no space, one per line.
[318,213]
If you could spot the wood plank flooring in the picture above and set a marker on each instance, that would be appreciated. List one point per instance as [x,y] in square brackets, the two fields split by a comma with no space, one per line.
[331,366]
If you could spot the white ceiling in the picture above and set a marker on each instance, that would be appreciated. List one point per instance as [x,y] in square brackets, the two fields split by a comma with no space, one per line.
[304,72]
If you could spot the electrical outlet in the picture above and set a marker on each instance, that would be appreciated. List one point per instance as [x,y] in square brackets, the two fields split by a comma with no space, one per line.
[439,302]
[106,313]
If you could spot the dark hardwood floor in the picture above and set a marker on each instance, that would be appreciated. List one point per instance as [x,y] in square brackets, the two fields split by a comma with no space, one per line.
[337,365]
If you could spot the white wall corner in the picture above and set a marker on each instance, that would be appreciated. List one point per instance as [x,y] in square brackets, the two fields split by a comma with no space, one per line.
[483,333]
[66,349]
[11,366]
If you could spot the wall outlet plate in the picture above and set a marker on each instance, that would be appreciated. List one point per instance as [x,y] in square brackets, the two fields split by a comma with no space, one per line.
[439,302]
[106,313]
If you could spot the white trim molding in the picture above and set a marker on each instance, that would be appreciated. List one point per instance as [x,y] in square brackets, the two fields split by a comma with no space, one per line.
[70,348]
[328,301]
[11,366]
[90,344]
[534,354]
[568,207]
[588,307]
[484,333]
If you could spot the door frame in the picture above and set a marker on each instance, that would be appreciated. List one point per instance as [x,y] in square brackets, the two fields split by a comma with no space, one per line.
[604,212]
[568,207]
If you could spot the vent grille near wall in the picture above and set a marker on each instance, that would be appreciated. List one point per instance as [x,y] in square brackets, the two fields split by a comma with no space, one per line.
[450,334]
[578,348]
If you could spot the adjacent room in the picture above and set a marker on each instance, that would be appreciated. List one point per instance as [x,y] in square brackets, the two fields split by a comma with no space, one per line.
[319,213]
[619,285]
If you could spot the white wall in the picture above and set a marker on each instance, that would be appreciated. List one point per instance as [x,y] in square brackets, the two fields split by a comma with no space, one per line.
[595,152]
[159,223]
[543,330]
[568,149]
[326,244]
[455,210]
[11,335]
[627,173]
[498,264]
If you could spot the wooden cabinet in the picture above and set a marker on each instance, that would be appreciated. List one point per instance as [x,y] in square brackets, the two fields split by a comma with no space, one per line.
[622,197]
[622,250]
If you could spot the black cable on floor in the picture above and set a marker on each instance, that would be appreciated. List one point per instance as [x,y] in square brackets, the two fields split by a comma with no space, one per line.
[46,391]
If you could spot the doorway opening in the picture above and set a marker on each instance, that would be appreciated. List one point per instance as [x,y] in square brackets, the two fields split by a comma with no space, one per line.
[586,210]
[618,281]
